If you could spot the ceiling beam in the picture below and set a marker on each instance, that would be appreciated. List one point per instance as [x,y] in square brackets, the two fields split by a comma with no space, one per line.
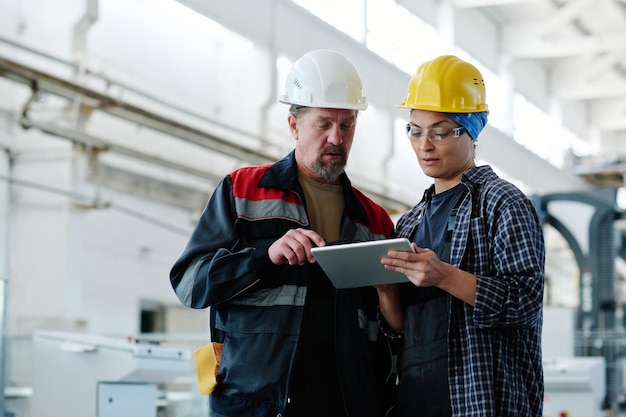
[588,90]
[539,28]
[522,45]
[469,4]
[519,162]
[609,115]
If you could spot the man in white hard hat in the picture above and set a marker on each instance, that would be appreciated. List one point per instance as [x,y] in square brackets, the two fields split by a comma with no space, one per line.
[293,345]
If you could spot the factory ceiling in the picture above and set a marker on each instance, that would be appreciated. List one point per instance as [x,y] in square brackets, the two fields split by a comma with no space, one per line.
[581,44]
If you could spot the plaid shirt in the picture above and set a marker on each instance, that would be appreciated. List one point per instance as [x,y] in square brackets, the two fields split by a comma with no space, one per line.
[494,348]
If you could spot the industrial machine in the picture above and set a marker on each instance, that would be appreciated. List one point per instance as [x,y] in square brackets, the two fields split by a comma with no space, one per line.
[574,386]
[83,375]
[586,220]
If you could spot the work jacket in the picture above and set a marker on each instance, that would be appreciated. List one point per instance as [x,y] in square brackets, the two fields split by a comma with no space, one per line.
[257,307]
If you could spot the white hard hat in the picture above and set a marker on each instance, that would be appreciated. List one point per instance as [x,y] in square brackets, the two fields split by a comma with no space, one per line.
[324,78]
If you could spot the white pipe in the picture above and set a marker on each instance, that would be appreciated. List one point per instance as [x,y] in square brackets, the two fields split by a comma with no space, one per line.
[4,279]
[79,50]
[271,99]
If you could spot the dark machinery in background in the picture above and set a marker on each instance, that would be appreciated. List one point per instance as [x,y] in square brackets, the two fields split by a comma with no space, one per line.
[587,222]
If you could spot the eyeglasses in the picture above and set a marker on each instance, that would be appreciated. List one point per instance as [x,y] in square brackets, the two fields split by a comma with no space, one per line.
[436,134]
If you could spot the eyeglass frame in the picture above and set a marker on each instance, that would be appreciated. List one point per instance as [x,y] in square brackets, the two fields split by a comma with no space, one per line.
[455,131]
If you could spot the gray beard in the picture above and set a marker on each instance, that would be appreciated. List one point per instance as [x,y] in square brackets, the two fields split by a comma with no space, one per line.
[329,172]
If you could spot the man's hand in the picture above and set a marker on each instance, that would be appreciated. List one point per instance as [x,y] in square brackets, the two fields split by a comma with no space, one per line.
[294,248]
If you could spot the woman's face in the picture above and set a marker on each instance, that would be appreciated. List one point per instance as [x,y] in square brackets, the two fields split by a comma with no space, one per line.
[444,160]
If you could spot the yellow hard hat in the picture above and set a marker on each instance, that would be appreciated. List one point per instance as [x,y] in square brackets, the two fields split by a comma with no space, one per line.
[446,84]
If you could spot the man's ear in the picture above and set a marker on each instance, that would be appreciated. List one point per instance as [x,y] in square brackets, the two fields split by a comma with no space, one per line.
[293,125]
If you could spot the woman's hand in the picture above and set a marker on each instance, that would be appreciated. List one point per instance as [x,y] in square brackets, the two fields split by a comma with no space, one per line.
[424,269]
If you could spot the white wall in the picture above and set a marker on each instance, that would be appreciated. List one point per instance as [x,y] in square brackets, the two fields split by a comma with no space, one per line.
[77,267]
[70,266]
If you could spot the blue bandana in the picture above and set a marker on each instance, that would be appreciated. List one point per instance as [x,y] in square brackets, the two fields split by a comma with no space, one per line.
[472,122]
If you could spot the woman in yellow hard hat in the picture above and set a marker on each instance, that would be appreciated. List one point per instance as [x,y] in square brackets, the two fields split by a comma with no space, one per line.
[470,318]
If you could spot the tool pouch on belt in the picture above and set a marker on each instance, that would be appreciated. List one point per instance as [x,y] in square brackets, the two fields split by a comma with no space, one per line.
[207,360]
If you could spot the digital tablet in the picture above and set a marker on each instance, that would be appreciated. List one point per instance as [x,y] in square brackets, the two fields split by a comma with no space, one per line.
[352,265]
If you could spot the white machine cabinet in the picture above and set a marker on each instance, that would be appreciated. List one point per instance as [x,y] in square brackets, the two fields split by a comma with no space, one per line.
[574,386]
[83,375]
[124,399]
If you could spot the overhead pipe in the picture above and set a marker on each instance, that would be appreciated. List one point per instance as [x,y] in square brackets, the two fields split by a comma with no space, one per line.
[101,145]
[45,82]
[41,81]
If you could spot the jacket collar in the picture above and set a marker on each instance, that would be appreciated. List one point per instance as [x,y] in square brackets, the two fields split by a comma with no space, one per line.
[478,175]
[472,179]
[283,175]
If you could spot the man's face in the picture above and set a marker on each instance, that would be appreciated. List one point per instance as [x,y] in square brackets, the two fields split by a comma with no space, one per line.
[323,141]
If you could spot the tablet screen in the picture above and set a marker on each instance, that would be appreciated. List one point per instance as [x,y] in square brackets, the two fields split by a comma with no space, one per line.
[352,265]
